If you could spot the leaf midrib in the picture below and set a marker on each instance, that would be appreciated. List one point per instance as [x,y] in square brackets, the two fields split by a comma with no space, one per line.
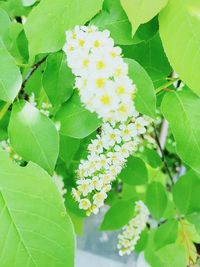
[17,230]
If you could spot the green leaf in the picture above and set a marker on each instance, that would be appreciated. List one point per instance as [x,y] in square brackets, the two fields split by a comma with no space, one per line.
[10,77]
[149,252]
[181,20]
[58,79]
[35,228]
[151,56]
[48,21]
[118,215]
[14,8]
[33,135]
[4,126]
[145,100]
[114,19]
[151,157]
[173,255]
[184,107]
[4,26]
[142,242]
[134,172]
[156,199]
[76,121]
[166,233]
[186,193]
[68,148]
[141,11]
[194,218]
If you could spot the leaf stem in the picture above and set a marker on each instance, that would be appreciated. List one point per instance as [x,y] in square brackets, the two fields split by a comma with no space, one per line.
[163,87]
[4,110]
[163,155]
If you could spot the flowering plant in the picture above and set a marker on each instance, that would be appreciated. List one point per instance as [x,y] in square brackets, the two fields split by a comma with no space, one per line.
[99,113]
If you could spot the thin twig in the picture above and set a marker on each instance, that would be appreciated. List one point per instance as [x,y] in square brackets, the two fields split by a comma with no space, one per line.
[162,155]
[31,72]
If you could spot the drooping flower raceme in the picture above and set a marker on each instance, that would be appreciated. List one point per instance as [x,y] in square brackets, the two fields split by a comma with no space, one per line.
[101,74]
[131,232]
[105,88]
[107,155]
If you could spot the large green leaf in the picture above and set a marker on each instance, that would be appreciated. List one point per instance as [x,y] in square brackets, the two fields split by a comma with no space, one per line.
[4,25]
[47,23]
[166,233]
[172,255]
[134,172]
[10,77]
[118,215]
[114,19]
[151,56]
[150,251]
[76,121]
[33,135]
[141,11]
[34,226]
[145,100]
[156,199]
[194,218]
[68,148]
[58,79]
[181,20]
[184,107]
[186,193]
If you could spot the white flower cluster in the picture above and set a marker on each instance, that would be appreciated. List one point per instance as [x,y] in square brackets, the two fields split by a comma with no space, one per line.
[131,232]
[58,181]
[107,155]
[5,145]
[101,74]
[105,88]
[45,107]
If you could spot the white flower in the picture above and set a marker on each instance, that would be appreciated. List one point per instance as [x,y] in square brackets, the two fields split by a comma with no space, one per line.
[110,137]
[131,232]
[58,181]
[84,186]
[76,194]
[97,183]
[99,198]
[84,204]
[128,131]
[140,124]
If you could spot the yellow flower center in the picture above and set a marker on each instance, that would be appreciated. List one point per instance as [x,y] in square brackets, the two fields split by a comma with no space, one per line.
[74,35]
[123,109]
[120,90]
[126,131]
[81,42]
[96,44]
[100,82]
[100,65]
[71,48]
[113,54]
[118,72]
[105,100]
[85,63]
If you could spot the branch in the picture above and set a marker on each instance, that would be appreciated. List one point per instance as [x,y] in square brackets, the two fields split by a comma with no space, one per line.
[28,76]
[163,155]
[31,72]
